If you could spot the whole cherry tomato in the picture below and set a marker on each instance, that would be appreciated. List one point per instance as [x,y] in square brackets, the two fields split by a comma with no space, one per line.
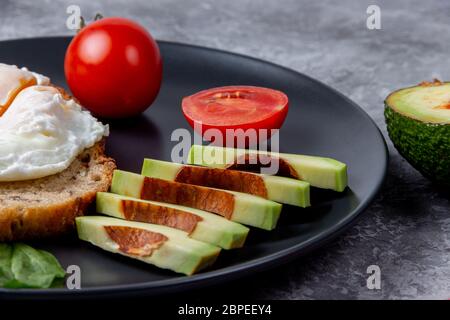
[114,68]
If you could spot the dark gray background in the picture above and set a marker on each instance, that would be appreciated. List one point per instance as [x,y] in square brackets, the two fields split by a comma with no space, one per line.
[406,231]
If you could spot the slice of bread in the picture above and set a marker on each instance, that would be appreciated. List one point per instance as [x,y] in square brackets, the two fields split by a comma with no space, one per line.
[48,206]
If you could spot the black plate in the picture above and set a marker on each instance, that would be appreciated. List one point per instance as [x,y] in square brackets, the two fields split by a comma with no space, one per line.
[321,122]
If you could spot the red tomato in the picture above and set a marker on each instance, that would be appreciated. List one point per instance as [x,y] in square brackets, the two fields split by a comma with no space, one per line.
[236,107]
[113,67]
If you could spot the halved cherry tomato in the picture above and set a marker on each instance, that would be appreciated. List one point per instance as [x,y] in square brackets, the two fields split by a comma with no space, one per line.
[236,107]
[113,67]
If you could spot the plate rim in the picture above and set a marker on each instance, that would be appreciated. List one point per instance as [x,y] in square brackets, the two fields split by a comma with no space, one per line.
[183,283]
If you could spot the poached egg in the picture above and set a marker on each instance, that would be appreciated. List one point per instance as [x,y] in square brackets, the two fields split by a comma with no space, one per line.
[13,80]
[41,133]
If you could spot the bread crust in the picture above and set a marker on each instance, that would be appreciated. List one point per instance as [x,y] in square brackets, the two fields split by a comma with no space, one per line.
[20,220]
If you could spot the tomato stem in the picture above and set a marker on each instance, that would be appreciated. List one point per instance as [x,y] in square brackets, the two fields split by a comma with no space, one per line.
[82,24]
[98,16]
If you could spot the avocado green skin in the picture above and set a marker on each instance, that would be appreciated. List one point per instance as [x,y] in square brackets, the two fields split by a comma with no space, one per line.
[426,146]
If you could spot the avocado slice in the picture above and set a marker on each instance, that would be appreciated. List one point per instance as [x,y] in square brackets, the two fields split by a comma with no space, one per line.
[320,172]
[418,123]
[236,206]
[161,246]
[200,225]
[280,189]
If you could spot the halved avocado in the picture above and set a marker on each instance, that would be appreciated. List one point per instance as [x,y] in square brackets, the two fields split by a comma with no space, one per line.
[239,207]
[161,246]
[418,122]
[200,225]
[320,172]
[279,189]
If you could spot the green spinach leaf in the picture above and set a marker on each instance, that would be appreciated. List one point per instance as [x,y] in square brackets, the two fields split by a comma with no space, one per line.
[22,266]
[6,275]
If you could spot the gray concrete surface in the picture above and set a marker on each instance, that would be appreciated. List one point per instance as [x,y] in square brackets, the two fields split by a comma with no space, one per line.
[406,231]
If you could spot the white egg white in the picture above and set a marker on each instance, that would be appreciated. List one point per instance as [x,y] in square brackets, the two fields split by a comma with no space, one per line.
[41,134]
